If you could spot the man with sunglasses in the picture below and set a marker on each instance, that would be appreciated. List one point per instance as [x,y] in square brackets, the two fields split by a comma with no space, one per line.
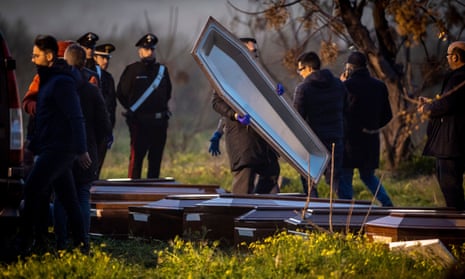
[320,100]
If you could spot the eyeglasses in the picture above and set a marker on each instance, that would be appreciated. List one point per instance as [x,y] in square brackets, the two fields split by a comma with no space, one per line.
[34,55]
[449,54]
[300,69]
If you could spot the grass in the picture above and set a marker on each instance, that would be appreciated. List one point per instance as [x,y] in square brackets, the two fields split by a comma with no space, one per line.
[318,255]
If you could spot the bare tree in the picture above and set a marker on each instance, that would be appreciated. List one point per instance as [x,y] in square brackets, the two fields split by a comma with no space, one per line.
[404,41]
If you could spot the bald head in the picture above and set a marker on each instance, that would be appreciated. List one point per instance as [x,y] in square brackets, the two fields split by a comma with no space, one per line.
[456,55]
[75,56]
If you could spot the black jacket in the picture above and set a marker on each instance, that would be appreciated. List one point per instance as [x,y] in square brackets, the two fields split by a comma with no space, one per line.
[368,109]
[135,79]
[59,122]
[244,146]
[98,126]
[319,99]
[446,128]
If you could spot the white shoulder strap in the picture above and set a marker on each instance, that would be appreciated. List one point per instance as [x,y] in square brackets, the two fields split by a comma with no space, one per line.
[149,90]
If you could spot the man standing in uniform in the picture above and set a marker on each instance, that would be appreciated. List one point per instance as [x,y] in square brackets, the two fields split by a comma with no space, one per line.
[249,155]
[102,57]
[446,128]
[144,90]
[367,111]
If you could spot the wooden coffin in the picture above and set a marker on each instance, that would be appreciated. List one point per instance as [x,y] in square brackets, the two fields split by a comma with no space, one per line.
[339,220]
[133,182]
[112,202]
[163,219]
[111,217]
[214,219]
[149,193]
[343,220]
[446,225]
[261,222]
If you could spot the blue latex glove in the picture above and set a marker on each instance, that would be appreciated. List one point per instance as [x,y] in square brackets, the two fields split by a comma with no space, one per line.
[110,141]
[244,120]
[279,89]
[214,148]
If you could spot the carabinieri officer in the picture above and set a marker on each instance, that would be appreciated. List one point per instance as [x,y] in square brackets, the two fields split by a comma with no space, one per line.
[144,90]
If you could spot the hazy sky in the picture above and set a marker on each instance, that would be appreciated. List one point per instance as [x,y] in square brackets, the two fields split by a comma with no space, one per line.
[111,17]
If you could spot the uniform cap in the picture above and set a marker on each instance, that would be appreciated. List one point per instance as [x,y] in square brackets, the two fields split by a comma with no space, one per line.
[357,59]
[147,41]
[62,45]
[104,49]
[88,40]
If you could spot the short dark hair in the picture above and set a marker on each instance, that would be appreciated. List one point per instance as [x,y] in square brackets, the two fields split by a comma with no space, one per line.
[310,59]
[47,43]
[76,56]
[459,52]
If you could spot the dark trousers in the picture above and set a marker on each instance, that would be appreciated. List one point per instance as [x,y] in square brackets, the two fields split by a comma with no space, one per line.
[331,172]
[244,179]
[50,168]
[61,219]
[369,179]
[147,137]
[449,173]
[101,153]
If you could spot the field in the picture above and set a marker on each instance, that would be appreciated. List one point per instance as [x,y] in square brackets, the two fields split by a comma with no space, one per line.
[318,255]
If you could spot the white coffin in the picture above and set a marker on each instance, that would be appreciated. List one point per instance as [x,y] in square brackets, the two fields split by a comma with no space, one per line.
[247,88]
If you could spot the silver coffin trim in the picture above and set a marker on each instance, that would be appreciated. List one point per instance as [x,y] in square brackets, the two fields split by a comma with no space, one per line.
[247,88]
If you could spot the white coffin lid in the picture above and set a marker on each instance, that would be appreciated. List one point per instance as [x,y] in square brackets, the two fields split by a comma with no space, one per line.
[247,88]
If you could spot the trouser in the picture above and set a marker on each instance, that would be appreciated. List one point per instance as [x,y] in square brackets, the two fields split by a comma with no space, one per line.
[449,173]
[369,179]
[147,136]
[243,179]
[61,219]
[101,153]
[332,172]
[50,168]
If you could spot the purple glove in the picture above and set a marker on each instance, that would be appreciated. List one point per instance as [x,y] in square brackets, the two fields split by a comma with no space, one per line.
[279,89]
[244,120]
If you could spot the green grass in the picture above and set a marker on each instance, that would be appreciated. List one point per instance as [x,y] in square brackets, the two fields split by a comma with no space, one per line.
[318,255]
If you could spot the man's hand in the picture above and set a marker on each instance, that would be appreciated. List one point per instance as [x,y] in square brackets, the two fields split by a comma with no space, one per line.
[214,148]
[422,102]
[84,160]
[244,120]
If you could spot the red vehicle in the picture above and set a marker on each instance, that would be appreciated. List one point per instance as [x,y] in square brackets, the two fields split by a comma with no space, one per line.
[11,145]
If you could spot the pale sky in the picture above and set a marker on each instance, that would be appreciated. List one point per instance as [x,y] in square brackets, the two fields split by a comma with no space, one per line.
[111,17]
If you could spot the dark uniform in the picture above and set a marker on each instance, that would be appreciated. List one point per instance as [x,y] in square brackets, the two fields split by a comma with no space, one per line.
[147,123]
[107,87]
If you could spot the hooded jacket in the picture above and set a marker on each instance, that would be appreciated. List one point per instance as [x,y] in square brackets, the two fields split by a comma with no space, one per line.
[319,99]
[59,125]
